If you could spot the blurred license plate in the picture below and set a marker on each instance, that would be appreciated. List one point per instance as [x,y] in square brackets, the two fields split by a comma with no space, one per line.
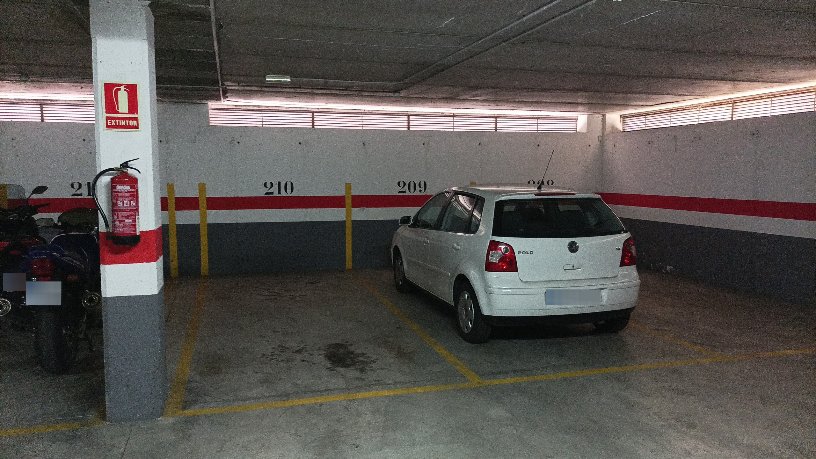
[43,293]
[568,296]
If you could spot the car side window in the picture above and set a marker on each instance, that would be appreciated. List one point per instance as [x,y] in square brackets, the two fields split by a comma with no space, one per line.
[428,216]
[457,216]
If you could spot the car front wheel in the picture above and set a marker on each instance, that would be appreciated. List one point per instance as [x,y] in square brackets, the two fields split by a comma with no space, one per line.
[400,281]
[471,324]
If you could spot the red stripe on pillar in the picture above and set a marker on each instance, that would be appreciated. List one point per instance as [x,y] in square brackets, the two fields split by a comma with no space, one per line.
[148,250]
[752,208]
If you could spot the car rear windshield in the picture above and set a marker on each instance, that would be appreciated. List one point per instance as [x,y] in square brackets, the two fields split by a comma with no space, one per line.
[555,217]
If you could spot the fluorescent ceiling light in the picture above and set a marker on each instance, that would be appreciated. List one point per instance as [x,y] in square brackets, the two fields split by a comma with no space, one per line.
[278,79]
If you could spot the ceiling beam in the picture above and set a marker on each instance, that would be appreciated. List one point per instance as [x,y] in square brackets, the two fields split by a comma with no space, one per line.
[553,10]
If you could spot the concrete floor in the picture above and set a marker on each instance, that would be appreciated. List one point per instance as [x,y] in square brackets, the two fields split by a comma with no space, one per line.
[341,365]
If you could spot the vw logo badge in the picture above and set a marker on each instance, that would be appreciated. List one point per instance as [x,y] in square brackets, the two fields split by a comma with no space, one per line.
[572,246]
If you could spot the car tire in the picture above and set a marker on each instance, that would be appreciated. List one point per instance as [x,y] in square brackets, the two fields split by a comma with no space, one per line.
[470,323]
[400,281]
[612,325]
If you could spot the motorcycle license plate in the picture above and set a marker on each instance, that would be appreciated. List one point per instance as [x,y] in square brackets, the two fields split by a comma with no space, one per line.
[43,293]
[14,282]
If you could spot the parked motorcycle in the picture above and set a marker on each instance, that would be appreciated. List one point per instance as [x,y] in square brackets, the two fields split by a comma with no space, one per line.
[63,289]
[60,296]
[18,233]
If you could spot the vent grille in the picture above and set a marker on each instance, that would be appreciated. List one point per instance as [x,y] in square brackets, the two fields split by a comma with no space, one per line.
[244,115]
[47,111]
[727,110]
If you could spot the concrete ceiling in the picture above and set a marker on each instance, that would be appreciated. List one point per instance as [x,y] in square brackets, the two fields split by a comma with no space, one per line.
[591,56]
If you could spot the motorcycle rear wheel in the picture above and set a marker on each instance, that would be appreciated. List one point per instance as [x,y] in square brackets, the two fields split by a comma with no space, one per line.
[55,341]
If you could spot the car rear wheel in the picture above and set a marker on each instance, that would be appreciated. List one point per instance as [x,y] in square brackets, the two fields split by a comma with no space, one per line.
[471,324]
[612,325]
[400,281]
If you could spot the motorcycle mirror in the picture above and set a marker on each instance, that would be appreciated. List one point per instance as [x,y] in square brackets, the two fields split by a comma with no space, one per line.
[38,190]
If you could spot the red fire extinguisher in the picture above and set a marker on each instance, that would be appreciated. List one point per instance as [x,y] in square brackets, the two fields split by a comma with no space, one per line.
[124,204]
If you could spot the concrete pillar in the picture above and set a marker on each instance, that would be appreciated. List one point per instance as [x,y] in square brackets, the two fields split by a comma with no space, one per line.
[132,280]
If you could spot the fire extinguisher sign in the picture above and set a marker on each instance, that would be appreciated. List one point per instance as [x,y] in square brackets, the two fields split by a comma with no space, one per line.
[121,106]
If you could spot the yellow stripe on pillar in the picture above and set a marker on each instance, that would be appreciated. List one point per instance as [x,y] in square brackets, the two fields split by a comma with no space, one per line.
[171,230]
[348,227]
[202,213]
[3,196]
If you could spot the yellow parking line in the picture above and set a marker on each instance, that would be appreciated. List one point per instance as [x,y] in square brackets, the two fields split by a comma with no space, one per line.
[175,400]
[276,404]
[45,428]
[325,399]
[3,196]
[675,340]
[434,344]
[647,366]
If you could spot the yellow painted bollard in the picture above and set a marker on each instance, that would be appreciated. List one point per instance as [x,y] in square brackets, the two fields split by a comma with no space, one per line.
[348,227]
[202,213]
[171,230]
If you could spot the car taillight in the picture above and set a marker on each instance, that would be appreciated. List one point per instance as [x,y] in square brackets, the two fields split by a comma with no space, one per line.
[629,253]
[500,258]
[42,269]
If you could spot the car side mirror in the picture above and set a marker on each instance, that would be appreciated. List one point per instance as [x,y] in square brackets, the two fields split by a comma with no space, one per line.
[406,220]
[38,190]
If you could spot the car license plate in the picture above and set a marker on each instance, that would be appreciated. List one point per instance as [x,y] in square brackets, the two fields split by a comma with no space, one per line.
[570,296]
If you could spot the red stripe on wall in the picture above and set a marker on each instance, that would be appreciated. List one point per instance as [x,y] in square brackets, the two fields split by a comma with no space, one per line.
[275,202]
[298,202]
[56,205]
[388,200]
[752,208]
[148,250]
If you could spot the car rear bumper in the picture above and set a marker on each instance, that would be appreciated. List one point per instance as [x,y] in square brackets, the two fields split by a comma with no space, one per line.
[530,302]
[589,317]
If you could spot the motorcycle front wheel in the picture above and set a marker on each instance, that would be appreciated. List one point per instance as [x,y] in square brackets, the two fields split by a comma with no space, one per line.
[55,341]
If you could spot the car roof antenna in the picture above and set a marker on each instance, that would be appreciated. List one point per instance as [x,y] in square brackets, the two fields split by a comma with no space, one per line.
[542,181]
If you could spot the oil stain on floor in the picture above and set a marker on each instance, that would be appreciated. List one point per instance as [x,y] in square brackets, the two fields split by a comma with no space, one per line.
[340,355]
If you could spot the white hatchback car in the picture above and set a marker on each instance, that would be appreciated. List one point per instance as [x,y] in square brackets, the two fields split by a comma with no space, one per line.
[507,254]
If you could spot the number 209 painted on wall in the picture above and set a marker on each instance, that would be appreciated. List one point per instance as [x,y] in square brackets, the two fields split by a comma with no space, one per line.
[411,186]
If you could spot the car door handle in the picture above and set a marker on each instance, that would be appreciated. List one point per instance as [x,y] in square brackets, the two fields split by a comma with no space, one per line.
[456,246]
